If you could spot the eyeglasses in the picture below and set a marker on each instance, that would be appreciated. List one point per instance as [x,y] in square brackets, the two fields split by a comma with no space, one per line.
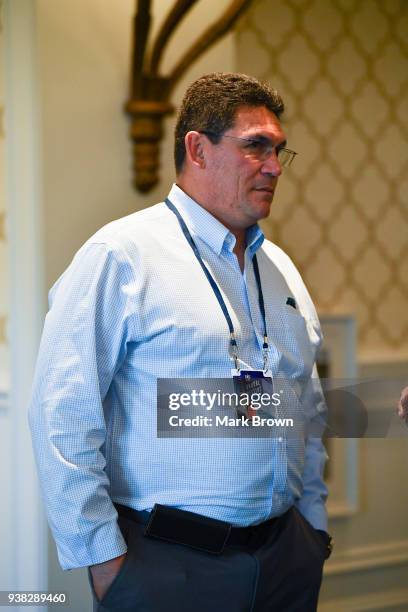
[260,148]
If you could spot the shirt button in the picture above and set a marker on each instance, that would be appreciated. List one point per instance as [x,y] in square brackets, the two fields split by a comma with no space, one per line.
[280,439]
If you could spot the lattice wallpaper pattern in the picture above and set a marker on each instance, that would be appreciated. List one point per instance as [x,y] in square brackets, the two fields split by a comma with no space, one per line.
[341,210]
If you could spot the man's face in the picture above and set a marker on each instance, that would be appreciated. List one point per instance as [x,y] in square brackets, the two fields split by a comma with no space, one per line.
[242,184]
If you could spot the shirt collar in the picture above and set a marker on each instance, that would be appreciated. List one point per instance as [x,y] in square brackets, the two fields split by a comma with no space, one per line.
[203,224]
[255,238]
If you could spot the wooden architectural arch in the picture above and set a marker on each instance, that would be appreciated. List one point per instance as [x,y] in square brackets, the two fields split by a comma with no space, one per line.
[150,91]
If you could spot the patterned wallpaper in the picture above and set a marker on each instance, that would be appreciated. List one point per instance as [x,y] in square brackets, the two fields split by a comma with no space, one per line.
[341,210]
[3,262]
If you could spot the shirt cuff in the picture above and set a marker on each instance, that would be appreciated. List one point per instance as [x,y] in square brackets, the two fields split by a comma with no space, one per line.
[102,544]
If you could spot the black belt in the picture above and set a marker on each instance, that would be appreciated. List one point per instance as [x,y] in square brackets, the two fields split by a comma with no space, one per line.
[194,530]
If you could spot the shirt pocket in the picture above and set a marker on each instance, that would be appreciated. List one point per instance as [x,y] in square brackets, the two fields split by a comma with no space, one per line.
[299,342]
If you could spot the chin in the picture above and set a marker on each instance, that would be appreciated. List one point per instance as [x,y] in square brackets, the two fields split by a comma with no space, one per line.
[264,196]
[263,210]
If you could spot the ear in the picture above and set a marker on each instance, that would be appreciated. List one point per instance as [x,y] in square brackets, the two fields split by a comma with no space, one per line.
[195,148]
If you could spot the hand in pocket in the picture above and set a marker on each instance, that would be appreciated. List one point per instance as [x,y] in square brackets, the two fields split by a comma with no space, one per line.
[103,574]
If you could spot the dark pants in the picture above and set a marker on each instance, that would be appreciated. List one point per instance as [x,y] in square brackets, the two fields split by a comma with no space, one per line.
[279,569]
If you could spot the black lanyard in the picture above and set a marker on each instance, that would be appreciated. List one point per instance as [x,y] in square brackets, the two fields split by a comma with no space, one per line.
[218,295]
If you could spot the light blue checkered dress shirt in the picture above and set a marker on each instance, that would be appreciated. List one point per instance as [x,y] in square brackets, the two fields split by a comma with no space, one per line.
[134,305]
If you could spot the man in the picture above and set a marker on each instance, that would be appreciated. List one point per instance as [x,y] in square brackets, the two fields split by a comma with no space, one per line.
[188,288]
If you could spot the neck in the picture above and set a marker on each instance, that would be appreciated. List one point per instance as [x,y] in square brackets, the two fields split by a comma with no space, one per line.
[240,236]
[191,190]
[239,250]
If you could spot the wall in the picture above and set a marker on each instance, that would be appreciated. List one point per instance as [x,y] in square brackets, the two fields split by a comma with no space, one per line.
[341,213]
[341,210]
[84,51]
[68,172]
[5,430]
[3,236]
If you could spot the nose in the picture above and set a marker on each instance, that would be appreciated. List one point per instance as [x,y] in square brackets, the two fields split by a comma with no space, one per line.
[272,165]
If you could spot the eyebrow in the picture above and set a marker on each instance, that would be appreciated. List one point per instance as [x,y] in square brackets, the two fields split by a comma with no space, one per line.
[263,137]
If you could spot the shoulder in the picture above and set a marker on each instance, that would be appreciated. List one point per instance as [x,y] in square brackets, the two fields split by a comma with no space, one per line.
[133,238]
[133,228]
[117,248]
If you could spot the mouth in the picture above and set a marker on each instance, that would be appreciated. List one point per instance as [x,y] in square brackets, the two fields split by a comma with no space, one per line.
[265,189]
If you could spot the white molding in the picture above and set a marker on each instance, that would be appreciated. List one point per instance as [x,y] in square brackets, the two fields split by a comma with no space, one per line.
[344,485]
[373,556]
[29,554]
[386,601]
[396,358]
[383,368]
[4,390]
[4,400]
[340,340]
[341,509]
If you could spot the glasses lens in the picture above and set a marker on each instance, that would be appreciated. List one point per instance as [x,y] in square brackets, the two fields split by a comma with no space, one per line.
[285,157]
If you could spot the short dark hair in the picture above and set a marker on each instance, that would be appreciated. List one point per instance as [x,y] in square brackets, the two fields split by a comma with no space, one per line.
[211,102]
